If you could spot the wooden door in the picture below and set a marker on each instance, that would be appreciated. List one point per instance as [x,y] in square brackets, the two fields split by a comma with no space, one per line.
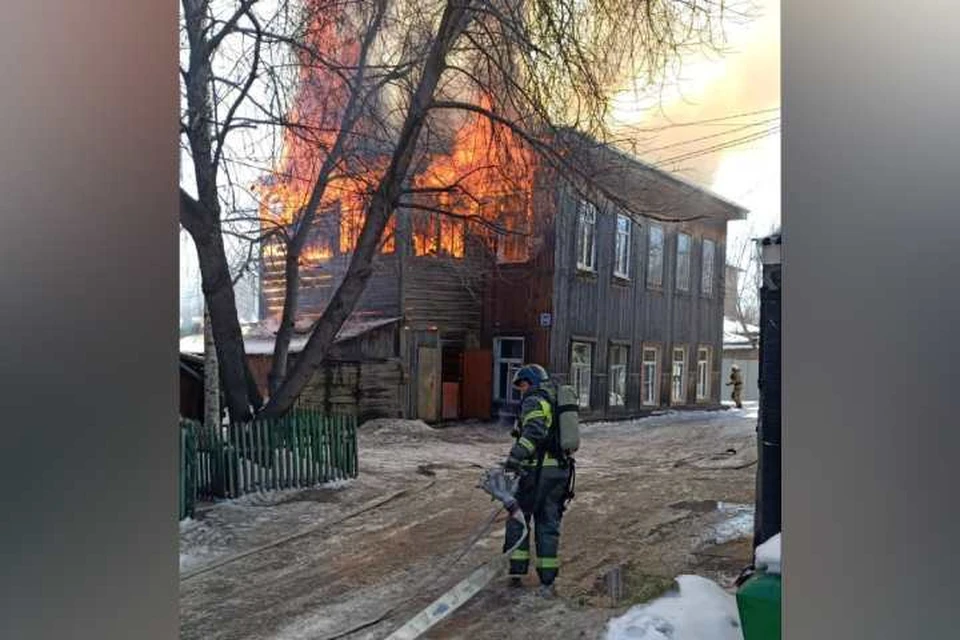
[477,392]
[428,383]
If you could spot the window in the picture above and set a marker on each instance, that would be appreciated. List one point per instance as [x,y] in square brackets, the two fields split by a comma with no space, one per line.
[581,365]
[508,358]
[706,273]
[587,237]
[512,244]
[351,222]
[703,373]
[618,375]
[683,262]
[655,258]
[435,234]
[621,268]
[651,376]
[678,390]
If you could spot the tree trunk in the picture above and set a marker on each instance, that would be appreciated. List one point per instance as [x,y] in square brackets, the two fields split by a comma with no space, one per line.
[379,210]
[201,218]
[211,376]
[225,325]
[291,300]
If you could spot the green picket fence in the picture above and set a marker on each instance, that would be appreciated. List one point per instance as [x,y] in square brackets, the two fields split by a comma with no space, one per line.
[302,449]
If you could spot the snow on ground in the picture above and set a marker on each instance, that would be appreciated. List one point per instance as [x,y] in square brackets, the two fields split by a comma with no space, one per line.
[205,540]
[700,610]
[672,417]
[768,555]
[738,523]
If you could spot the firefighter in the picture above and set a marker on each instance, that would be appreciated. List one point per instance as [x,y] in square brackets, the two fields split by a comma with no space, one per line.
[736,381]
[543,486]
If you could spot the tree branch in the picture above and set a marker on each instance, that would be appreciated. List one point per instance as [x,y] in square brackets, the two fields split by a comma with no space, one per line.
[226,125]
[230,25]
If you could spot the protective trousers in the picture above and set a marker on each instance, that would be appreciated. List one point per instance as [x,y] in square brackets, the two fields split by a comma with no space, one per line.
[544,507]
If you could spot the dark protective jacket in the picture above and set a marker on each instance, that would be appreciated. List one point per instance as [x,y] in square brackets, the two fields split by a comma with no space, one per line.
[533,429]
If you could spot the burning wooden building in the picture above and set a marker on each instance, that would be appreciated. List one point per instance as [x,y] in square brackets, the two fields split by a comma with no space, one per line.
[612,279]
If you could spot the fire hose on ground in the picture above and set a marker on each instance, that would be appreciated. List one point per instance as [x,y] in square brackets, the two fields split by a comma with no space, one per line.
[502,487]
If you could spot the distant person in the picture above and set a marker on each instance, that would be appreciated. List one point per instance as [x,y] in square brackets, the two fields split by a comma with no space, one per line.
[736,381]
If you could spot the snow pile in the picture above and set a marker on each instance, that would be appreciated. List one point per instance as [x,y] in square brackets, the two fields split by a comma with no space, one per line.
[768,555]
[701,610]
[396,427]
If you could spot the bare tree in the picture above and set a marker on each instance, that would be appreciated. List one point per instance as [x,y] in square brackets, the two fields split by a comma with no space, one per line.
[541,67]
[388,79]
[201,215]
[746,259]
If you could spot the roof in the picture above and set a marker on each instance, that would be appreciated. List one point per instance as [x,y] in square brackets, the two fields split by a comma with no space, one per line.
[734,336]
[774,238]
[644,188]
[192,364]
[259,340]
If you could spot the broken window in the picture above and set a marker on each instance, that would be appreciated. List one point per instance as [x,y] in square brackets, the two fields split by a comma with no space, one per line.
[351,222]
[451,236]
[437,233]
[388,243]
[512,244]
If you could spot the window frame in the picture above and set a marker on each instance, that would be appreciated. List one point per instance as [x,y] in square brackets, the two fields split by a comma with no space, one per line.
[587,226]
[512,365]
[655,275]
[681,379]
[708,280]
[624,368]
[704,373]
[575,368]
[653,399]
[684,263]
[622,242]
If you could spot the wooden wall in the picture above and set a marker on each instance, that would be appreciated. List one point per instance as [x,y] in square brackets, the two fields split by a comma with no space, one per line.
[602,309]
[362,376]
[320,279]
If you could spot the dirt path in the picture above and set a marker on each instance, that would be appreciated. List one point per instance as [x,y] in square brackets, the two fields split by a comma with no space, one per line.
[655,498]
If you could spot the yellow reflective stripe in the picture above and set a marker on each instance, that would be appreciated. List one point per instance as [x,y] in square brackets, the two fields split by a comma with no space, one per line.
[526,444]
[548,563]
[520,554]
[548,461]
[545,411]
[533,415]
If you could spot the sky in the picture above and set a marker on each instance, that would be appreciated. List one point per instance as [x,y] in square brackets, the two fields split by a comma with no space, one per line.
[734,150]
[744,80]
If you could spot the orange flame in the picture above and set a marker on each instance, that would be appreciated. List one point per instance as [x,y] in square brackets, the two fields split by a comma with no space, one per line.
[488,177]
[482,186]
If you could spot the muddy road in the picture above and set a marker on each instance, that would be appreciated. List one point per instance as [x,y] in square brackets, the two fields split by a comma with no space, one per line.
[656,497]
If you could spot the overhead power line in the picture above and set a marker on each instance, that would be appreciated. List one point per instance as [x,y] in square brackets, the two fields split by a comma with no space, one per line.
[722,147]
[694,123]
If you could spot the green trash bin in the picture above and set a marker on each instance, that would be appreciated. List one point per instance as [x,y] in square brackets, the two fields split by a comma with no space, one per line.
[758,601]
